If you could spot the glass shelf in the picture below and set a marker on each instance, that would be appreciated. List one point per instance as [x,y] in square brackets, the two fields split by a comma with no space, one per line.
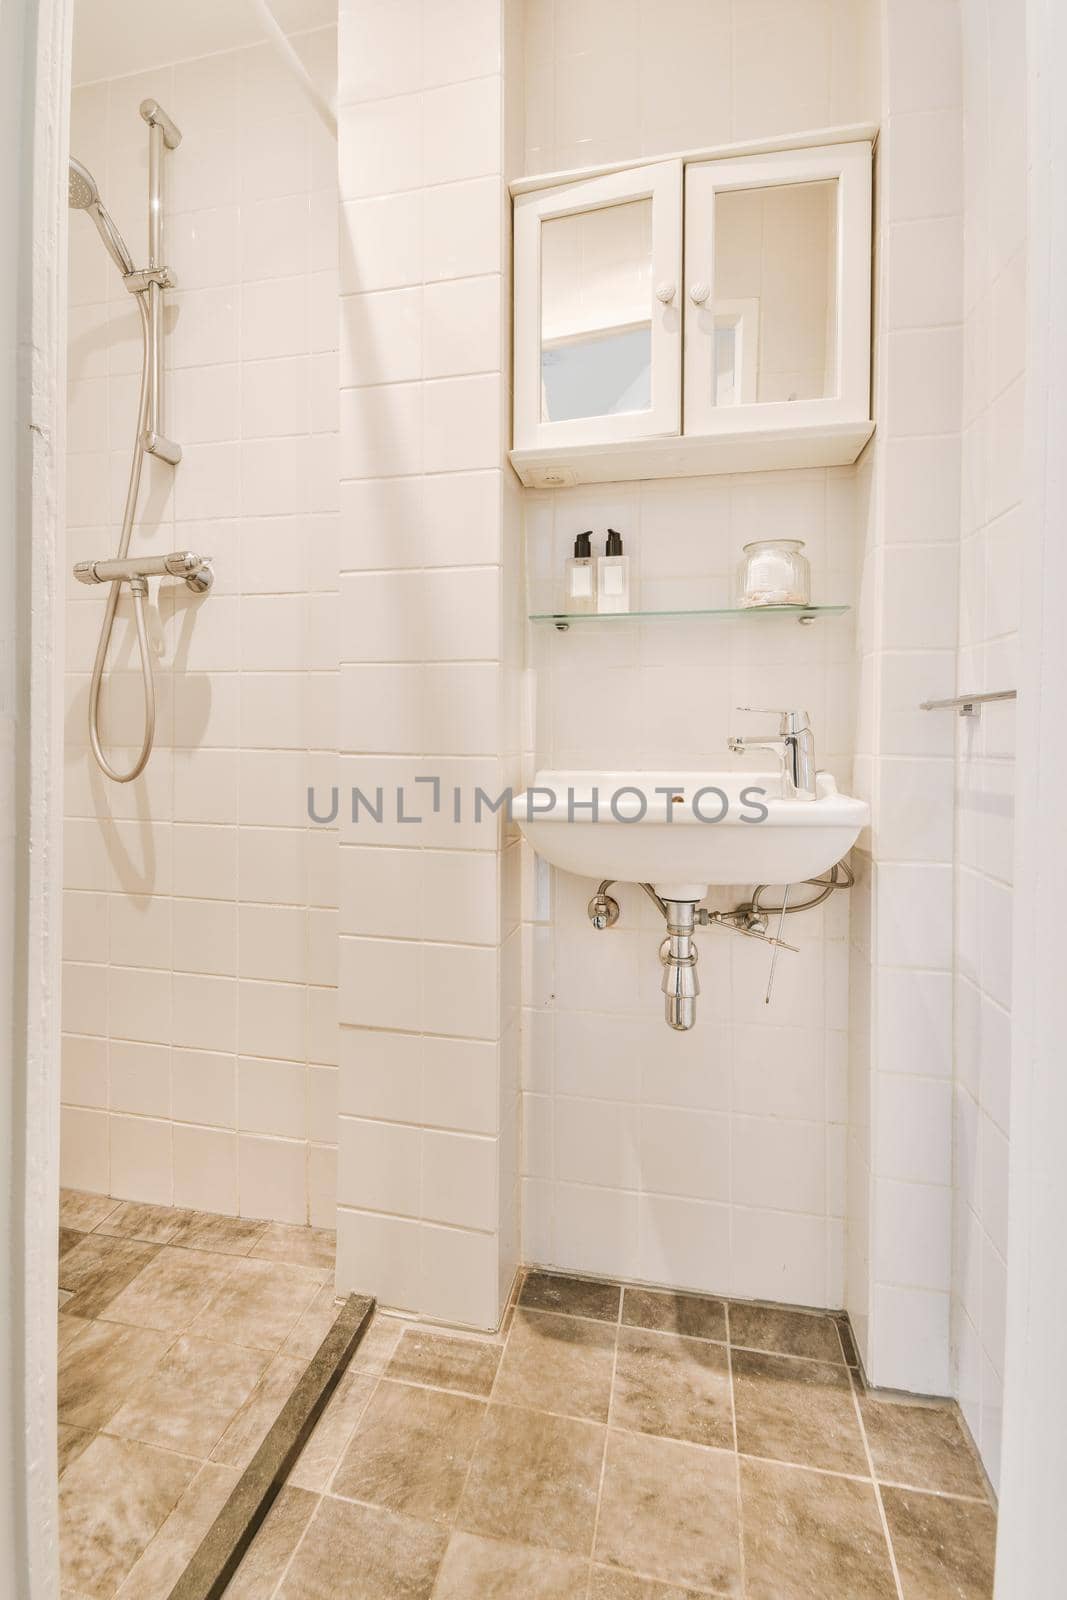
[562,620]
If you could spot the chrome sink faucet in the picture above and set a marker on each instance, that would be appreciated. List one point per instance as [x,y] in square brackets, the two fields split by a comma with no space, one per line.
[794,747]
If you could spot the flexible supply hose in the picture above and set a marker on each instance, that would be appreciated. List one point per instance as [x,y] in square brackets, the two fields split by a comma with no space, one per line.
[139,591]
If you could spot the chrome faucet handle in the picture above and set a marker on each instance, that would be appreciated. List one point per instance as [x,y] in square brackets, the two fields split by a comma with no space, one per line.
[789,721]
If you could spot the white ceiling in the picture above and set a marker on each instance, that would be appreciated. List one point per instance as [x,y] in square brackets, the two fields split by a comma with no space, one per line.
[113,37]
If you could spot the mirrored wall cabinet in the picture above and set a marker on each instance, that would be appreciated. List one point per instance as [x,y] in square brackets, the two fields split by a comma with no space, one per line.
[706,313]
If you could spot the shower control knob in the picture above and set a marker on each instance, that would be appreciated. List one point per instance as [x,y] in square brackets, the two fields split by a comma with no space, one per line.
[698,292]
[665,292]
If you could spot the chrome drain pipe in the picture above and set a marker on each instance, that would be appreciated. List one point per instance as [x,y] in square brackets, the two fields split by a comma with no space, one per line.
[678,954]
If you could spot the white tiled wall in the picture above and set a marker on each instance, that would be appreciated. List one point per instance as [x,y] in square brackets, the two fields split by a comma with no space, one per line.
[200,1062]
[994,262]
[931,1041]
[430,643]
[714,1160]
[901,1044]
[607,80]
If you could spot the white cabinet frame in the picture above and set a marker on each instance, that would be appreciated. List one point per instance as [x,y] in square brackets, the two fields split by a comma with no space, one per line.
[850,166]
[661,183]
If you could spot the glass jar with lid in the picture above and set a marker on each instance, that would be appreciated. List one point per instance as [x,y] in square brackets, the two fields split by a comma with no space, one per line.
[774,572]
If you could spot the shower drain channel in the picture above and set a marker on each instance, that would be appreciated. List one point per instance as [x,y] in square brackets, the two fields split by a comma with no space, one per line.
[223,1547]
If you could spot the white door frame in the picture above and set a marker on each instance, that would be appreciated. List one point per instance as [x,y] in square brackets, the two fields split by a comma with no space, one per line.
[1034,1463]
[35,43]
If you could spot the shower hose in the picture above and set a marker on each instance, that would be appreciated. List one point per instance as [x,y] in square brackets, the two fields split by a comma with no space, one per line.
[138,589]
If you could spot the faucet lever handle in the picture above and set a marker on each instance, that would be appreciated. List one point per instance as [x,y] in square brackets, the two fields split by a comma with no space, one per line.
[789,721]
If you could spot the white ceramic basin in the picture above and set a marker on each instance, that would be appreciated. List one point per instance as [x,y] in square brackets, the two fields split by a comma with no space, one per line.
[675,842]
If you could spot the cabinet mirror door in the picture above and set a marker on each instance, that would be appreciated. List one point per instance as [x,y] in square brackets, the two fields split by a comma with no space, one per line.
[597,319]
[777,290]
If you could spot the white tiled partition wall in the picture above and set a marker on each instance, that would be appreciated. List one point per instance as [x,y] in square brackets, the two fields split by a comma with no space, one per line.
[994,172]
[199,1062]
[931,930]
[430,656]
[901,1046]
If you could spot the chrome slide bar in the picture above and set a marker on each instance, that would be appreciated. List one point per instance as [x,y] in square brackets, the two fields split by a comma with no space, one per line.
[162,134]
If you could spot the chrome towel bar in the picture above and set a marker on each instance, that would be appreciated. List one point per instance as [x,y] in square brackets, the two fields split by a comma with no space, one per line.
[968,704]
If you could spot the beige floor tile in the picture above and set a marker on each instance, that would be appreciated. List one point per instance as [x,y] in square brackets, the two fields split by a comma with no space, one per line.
[189,1400]
[69,1329]
[945,1549]
[353,1552]
[259,1304]
[98,1370]
[411,1451]
[576,1297]
[378,1345]
[558,1363]
[466,1365]
[155,1572]
[923,1447]
[534,1480]
[679,1388]
[788,1333]
[228,1236]
[318,1459]
[305,1247]
[83,1211]
[669,1510]
[68,1238]
[809,1534]
[71,1442]
[112,1501]
[314,1325]
[268,1555]
[99,1269]
[691,1314]
[149,1224]
[254,1420]
[172,1290]
[609,1583]
[488,1569]
[801,1411]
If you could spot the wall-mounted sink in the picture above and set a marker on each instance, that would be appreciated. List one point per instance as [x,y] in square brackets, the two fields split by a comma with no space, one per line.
[710,828]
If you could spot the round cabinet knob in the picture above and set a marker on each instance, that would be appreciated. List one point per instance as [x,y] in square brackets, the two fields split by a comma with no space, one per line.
[698,293]
[666,292]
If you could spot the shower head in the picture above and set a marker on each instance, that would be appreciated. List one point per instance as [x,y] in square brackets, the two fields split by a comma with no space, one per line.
[81,190]
[83,195]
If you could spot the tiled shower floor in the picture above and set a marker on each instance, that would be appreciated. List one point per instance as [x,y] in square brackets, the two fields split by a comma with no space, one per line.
[624,1445]
[181,1335]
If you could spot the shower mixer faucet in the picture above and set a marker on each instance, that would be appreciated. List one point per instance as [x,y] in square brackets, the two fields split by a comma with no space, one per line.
[794,747]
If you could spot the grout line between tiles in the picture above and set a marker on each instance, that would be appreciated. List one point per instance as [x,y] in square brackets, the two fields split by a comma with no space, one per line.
[474,1452]
[737,1454]
[293,1553]
[607,1437]
[877,1490]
